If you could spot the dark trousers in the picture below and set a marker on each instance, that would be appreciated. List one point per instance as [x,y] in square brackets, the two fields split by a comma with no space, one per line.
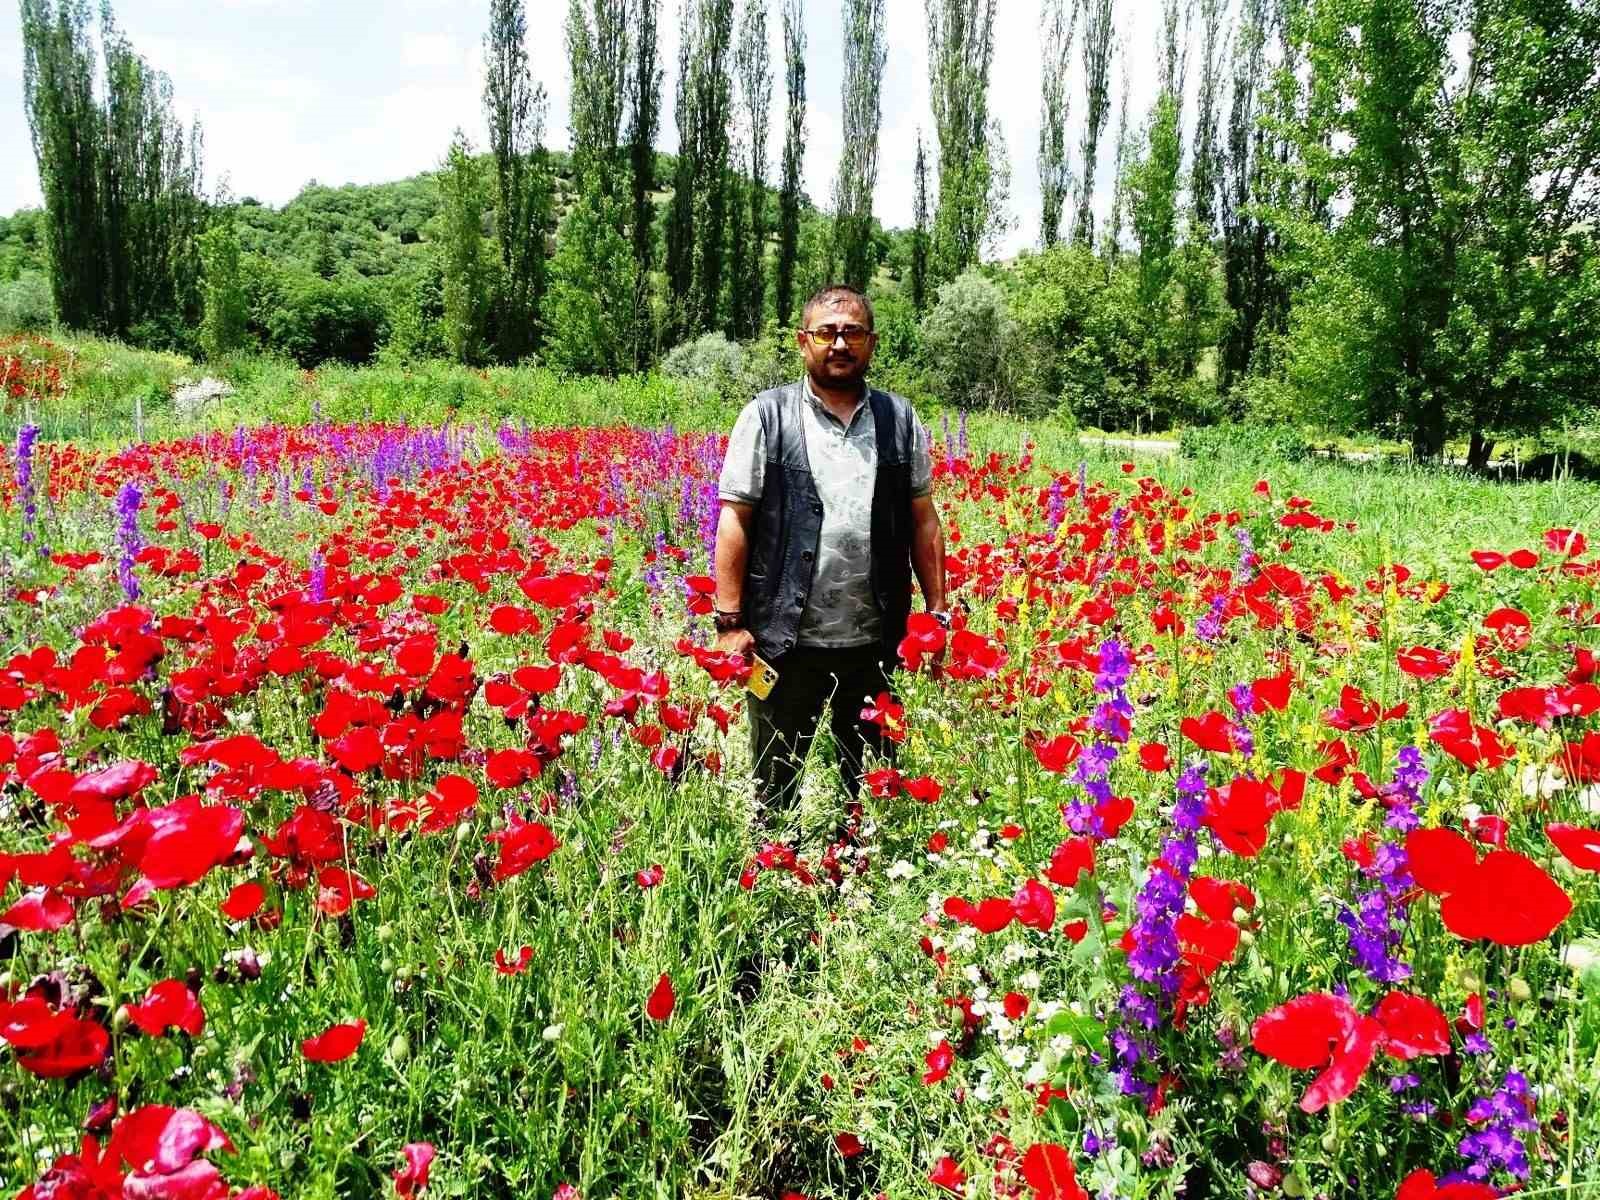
[783,725]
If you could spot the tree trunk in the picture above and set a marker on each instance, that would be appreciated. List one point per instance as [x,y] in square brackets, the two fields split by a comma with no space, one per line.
[1478,451]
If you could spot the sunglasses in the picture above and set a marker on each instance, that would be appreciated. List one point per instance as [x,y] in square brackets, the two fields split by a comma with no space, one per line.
[854,335]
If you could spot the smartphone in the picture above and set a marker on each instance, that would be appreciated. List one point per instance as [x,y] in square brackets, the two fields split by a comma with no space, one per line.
[762,678]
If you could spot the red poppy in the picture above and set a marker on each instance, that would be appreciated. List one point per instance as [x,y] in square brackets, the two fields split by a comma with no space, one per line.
[1424,662]
[848,1145]
[1057,754]
[413,1176]
[1015,1005]
[1509,899]
[1319,1031]
[1412,1026]
[1206,944]
[167,1005]
[1218,898]
[244,901]
[650,876]
[1048,1169]
[1153,756]
[1272,691]
[1474,746]
[947,1174]
[939,1060]
[51,1044]
[989,916]
[1579,846]
[1210,731]
[1421,1185]
[42,910]
[336,1043]
[522,845]
[517,966]
[1070,860]
[662,999]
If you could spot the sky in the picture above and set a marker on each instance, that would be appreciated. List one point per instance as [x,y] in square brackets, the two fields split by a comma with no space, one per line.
[365,91]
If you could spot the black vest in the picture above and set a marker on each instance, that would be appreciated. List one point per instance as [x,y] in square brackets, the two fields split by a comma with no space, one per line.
[788,522]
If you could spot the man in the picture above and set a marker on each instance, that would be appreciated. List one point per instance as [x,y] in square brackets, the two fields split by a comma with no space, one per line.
[826,512]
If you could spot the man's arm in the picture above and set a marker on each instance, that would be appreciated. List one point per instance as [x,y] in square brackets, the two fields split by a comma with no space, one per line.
[729,559]
[927,552]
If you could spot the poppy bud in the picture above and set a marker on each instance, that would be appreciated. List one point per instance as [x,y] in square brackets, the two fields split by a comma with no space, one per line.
[1519,989]
[1293,1185]
[400,1048]
[119,1019]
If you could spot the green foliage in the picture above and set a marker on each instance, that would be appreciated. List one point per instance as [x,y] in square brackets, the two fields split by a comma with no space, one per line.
[966,342]
[590,302]
[222,330]
[960,51]
[120,174]
[794,132]
[468,267]
[1240,443]
[316,320]
[25,304]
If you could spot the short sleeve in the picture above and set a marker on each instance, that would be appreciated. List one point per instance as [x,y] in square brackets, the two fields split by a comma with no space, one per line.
[744,466]
[921,460]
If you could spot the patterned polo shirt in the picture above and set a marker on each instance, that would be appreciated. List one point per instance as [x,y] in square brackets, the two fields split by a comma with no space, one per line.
[840,611]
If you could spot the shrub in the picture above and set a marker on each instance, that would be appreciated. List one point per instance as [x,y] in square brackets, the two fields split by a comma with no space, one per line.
[316,320]
[710,359]
[25,305]
[965,339]
[1244,442]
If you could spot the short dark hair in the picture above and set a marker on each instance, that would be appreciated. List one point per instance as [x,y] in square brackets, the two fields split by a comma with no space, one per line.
[837,291]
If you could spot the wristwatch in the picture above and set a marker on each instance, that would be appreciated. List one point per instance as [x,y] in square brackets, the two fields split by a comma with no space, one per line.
[727,622]
[942,616]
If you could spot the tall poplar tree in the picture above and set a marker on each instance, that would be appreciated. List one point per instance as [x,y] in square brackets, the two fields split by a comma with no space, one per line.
[960,51]
[1246,263]
[680,217]
[753,60]
[794,136]
[1099,29]
[713,100]
[644,119]
[64,120]
[1205,167]
[597,55]
[919,232]
[464,201]
[591,288]
[121,179]
[865,49]
[1059,21]
[514,106]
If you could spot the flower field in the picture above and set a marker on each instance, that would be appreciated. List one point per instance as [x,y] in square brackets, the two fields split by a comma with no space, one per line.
[374,819]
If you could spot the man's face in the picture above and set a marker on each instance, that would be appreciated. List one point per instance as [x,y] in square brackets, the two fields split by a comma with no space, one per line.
[843,362]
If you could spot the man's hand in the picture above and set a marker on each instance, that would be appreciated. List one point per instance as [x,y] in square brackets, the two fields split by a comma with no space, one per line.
[737,641]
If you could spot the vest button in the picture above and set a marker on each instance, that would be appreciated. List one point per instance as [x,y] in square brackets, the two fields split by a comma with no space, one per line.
[817,509]
[805,556]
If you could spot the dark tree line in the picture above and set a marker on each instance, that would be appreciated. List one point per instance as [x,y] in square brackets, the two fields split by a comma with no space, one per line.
[120,174]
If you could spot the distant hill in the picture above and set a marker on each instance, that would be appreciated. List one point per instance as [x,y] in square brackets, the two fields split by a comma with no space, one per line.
[370,229]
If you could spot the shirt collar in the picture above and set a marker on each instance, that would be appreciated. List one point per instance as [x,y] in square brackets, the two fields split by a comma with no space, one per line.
[816,401]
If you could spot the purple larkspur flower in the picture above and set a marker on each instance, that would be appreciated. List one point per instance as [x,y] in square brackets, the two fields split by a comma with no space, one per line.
[1497,1147]
[318,577]
[129,497]
[26,437]
[1209,627]
[1056,510]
